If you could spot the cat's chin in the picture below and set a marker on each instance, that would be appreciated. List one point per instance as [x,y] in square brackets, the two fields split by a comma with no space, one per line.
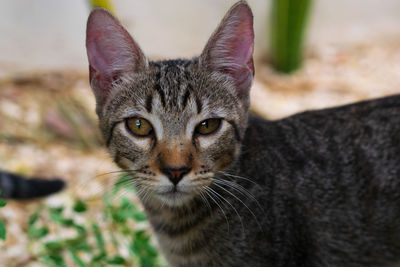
[174,198]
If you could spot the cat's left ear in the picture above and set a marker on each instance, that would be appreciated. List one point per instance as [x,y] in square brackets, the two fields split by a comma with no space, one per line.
[230,48]
[113,54]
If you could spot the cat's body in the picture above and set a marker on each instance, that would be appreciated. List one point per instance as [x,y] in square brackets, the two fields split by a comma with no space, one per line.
[16,186]
[319,188]
[329,191]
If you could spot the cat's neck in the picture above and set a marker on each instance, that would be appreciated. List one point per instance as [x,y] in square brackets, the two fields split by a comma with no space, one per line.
[181,230]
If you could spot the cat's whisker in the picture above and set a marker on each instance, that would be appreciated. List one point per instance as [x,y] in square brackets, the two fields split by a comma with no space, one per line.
[103,186]
[114,172]
[141,193]
[216,202]
[251,212]
[240,189]
[234,209]
[205,201]
[146,193]
[96,189]
[119,195]
[239,177]
[123,184]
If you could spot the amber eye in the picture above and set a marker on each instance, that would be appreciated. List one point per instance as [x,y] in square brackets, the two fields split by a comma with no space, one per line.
[208,126]
[139,126]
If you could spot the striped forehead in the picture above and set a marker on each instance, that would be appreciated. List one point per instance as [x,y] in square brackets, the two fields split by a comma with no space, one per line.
[172,89]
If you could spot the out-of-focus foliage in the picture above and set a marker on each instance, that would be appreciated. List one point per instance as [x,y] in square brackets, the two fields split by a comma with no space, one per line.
[119,237]
[107,4]
[288,26]
[2,226]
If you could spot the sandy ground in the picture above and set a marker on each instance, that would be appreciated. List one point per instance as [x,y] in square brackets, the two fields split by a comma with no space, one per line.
[48,125]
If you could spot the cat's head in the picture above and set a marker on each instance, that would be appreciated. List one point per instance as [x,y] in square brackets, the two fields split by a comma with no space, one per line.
[172,124]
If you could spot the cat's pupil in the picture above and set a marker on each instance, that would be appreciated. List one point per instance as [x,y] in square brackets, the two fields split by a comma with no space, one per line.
[138,124]
[205,124]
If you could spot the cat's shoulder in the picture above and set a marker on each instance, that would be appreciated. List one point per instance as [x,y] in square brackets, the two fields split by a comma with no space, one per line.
[388,105]
[382,113]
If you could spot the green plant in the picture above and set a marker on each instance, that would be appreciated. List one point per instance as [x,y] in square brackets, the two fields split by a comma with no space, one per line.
[288,25]
[2,226]
[94,242]
[107,4]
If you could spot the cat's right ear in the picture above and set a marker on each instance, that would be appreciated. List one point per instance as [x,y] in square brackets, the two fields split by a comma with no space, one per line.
[230,48]
[113,54]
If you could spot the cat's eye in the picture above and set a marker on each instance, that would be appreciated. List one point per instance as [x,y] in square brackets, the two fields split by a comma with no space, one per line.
[208,126]
[139,126]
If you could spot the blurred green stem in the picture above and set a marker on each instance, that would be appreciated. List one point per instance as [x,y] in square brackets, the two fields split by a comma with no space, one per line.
[288,26]
[107,4]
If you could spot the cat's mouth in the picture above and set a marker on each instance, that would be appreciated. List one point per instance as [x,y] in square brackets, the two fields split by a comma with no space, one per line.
[175,195]
[174,191]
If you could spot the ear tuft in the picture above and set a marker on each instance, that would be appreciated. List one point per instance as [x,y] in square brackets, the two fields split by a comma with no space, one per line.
[230,48]
[112,53]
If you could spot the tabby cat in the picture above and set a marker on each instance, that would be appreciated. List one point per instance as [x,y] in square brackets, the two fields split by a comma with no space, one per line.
[222,188]
[20,187]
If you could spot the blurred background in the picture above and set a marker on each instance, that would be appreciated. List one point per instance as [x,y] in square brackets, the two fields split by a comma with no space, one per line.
[345,51]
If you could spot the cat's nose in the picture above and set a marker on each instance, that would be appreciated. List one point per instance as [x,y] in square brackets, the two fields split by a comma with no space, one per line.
[175,174]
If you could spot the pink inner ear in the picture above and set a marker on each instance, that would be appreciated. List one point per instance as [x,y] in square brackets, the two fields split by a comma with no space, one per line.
[230,49]
[112,52]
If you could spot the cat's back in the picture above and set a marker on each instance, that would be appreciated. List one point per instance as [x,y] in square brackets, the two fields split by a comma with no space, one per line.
[344,145]
[333,179]
[367,123]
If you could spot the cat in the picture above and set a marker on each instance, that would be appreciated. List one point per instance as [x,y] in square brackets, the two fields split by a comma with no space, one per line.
[221,187]
[16,186]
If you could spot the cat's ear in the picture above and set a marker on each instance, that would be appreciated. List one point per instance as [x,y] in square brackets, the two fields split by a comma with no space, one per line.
[113,54]
[230,48]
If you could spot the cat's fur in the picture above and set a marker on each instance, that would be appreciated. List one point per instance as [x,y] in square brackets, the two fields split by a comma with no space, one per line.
[16,186]
[321,188]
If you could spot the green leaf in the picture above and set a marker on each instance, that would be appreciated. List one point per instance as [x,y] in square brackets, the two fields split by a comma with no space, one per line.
[37,233]
[55,260]
[54,247]
[2,202]
[139,216]
[77,259]
[80,228]
[99,237]
[77,242]
[2,231]
[56,216]
[34,217]
[67,222]
[99,257]
[79,206]
[116,260]
[56,210]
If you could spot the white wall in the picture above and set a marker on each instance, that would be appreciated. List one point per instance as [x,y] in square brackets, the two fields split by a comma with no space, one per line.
[46,34]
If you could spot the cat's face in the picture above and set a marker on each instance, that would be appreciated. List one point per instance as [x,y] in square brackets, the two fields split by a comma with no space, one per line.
[173,125]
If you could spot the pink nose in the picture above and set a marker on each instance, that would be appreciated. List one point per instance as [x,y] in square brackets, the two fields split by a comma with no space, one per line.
[175,174]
